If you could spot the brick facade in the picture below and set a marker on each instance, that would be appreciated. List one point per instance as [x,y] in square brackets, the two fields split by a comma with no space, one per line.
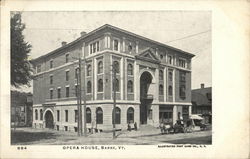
[166,94]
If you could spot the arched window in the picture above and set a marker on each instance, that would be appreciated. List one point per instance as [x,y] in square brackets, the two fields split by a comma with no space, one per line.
[36,114]
[170,76]
[160,89]
[117,115]
[130,87]
[88,115]
[130,69]
[41,114]
[116,85]
[99,116]
[130,115]
[100,85]
[170,90]
[116,66]
[89,87]
[89,70]
[100,67]
[160,75]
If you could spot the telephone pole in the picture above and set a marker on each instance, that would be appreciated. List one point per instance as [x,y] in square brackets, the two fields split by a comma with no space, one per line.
[114,97]
[78,104]
[84,97]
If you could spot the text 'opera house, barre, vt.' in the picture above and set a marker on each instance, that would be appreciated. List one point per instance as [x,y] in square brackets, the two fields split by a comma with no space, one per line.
[153,82]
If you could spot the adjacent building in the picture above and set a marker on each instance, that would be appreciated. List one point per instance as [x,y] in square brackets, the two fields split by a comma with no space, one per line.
[202,102]
[153,81]
[21,108]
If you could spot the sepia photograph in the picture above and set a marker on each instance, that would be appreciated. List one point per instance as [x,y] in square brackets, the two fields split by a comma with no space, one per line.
[111,78]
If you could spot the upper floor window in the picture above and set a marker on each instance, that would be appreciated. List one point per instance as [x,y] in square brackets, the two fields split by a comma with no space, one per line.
[89,70]
[67,58]
[160,75]
[170,90]
[130,47]
[58,92]
[116,85]
[100,85]
[116,45]
[51,79]
[130,69]
[100,67]
[38,68]
[94,47]
[182,91]
[182,77]
[116,66]
[58,115]
[67,75]
[76,90]
[160,89]
[170,60]
[51,94]
[130,86]
[76,115]
[89,87]
[66,116]
[51,64]
[182,63]
[67,91]
[170,76]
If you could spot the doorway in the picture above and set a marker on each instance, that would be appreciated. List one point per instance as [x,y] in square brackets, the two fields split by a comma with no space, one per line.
[49,121]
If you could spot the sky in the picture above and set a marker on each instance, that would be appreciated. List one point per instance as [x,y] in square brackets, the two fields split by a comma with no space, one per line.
[186,30]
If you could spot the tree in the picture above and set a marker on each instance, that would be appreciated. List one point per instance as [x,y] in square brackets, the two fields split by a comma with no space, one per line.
[20,49]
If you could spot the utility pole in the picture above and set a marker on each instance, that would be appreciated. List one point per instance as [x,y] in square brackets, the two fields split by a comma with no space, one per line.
[114,97]
[78,104]
[84,97]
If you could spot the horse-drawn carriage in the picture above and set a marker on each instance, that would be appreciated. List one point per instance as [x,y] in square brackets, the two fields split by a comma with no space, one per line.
[193,123]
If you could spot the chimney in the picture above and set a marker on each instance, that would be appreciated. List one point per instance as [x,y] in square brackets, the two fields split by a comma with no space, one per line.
[64,43]
[83,33]
[202,85]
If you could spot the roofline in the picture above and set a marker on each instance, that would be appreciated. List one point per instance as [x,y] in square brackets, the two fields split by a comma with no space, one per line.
[201,88]
[115,28]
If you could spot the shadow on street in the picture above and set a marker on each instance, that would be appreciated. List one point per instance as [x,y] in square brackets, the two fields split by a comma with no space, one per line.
[196,140]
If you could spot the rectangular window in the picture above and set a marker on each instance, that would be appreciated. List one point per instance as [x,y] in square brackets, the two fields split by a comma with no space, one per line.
[97,46]
[67,91]
[51,79]
[76,115]
[91,48]
[58,92]
[66,116]
[170,60]
[94,47]
[116,43]
[67,75]
[51,64]
[182,63]
[51,94]
[67,58]
[58,115]
[38,68]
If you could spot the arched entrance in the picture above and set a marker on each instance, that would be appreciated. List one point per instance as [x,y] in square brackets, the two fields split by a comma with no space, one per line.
[49,120]
[146,96]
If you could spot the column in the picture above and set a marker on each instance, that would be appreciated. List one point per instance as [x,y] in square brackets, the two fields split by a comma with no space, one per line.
[165,84]
[173,85]
[137,47]
[136,82]
[190,109]
[123,44]
[122,77]
[175,114]
[156,85]
[83,50]
[125,78]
